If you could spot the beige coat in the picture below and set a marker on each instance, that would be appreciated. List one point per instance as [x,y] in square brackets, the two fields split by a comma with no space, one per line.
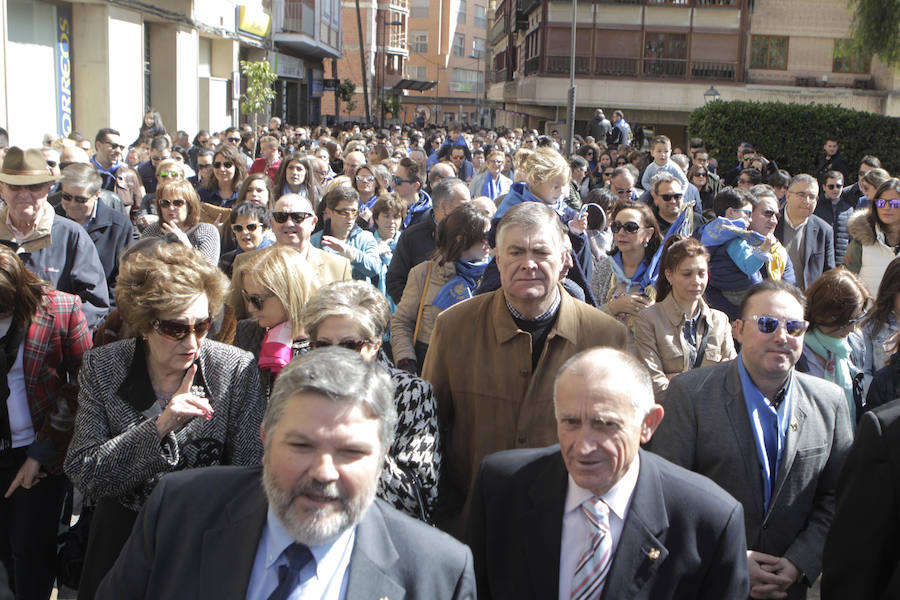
[660,342]
[403,323]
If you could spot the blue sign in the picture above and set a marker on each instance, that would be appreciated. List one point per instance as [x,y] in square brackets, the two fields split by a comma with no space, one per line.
[64,70]
[316,83]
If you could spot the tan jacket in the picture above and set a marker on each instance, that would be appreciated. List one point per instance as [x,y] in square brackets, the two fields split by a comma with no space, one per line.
[489,399]
[660,342]
[403,323]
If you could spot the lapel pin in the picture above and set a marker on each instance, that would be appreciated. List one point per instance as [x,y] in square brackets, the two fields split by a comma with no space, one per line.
[653,554]
[794,426]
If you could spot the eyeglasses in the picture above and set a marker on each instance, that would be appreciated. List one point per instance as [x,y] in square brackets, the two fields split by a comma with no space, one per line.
[114,146]
[177,203]
[202,166]
[398,181]
[52,164]
[881,203]
[346,212]
[227,163]
[355,345]
[766,324]
[630,227]
[607,173]
[73,198]
[158,158]
[834,186]
[32,187]
[670,197]
[365,178]
[700,174]
[251,227]
[206,141]
[178,331]
[497,161]
[296,217]
[167,174]
[256,300]
[768,213]
[627,192]
[233,139]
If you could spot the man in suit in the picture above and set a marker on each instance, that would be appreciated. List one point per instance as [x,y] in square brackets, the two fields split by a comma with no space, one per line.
[673,533]
[773,438]
[492,358]
[862,558]
[808,239]
[308,520]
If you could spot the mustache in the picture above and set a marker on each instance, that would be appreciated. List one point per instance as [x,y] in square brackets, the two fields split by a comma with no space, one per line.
[331,491]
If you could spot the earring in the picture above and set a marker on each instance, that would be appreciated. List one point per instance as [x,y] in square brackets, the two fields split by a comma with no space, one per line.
[644,244]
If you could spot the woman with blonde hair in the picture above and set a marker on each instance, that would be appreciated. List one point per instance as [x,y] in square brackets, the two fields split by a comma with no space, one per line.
[167,170]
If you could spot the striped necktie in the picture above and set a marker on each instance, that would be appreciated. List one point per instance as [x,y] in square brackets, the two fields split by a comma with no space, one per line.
[592,568]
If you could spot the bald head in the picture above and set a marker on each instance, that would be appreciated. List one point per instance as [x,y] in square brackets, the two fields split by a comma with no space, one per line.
[352,162]
[74,154]
[438,172]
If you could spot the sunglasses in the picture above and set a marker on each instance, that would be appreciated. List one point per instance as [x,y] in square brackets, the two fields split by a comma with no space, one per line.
[167,174]
[365,178]
[178,331]
[206,166]
[607,173]
[73,198]
[296,217]
[699,174]
[355,345]
[51,163]
[628,192]
[251,227]
[768,213]
[206,141]
[398,181]
[881,203]
[158,158]
[115,146]
[177,203]
[834,186]
[227,163]
[670,197]
[630,227]
[346,212]
[233,139]
[765,324]
[32,187]
[257,300]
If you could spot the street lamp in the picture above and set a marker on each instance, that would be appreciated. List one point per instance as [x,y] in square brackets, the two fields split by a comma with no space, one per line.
[384,25]
[711,94]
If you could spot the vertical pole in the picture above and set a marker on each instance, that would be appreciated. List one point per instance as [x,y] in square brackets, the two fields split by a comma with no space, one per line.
[383,61]
[362,61]
[571,112]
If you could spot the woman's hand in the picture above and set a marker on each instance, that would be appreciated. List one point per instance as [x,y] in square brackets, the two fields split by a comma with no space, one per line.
[630,304]
[183,407]
[29,474]
[145,220]
[182,236]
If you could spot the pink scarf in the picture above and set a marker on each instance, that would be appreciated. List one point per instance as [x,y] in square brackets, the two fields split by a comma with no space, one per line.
[276,348]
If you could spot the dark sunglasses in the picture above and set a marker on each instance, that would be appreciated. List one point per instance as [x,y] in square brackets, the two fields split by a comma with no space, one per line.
[607,173]
[769,213]
[251,227]
[398,181]
[355,345]
[794,328]
[670,197]
[257,300]
[834,186]
[630,227]
[115,146]
[296,217]
[51,163]
[199,166]
[218,164]
[79,199]
[700,174]
[346,212]
[178,331]
[881,203]
[233,139]
[177,203]
[628,192]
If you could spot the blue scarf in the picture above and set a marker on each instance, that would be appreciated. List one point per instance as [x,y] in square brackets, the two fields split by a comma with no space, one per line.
[462,286]
[640,278]
[489,188]
[836,352]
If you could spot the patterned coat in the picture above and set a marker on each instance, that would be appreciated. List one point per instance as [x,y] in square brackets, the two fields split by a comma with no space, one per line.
[57,339]
[116,452]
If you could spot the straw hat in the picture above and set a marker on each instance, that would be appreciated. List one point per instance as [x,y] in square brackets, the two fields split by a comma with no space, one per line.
[26,167]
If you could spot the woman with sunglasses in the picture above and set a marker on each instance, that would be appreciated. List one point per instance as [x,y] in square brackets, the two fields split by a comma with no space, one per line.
[591,153]
[437,284]
[222,182]
[875,233]
[248,225]
[179,209]
[681,332]
[167,170]
[356,316]
[295,177]
[699,177]
[368,187]
[620,279]
[164,400]
[833,348]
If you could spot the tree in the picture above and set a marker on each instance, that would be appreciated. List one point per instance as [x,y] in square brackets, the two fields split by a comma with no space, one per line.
[345,91]
[259,93]
[875,28]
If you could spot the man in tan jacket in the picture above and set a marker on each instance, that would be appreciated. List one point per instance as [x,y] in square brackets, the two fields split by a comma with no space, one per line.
[493,358]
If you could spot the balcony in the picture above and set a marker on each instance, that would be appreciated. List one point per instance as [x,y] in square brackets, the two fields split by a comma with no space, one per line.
[647,68]
[557,65]
[526,6]
[296,26]
[499,76]
[678,3]
[498,30]
[401,6]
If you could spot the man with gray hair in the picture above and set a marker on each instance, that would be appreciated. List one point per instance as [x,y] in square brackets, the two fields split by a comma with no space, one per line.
[595,514]
[110,230]
[809,240]
[307,521]
[492,358]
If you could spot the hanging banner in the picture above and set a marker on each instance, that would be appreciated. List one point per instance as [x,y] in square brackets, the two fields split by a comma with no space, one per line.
[64,70]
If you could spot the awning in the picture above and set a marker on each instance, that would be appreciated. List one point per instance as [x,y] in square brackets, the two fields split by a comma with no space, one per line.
[414,84]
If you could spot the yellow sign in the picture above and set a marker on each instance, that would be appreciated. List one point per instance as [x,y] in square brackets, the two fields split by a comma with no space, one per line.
[254,20]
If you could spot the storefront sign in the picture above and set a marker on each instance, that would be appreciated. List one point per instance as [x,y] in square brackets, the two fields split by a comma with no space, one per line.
[64,69]
[254,20]
[316,83]
[288,66]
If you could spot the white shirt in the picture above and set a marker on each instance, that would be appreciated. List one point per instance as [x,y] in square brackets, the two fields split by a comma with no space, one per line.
[577,532]
[20,426]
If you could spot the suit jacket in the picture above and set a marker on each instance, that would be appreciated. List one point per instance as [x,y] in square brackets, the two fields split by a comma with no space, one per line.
[818,249]
[710,433]
[185,548]
[515,529]
[328,267]
[862,558]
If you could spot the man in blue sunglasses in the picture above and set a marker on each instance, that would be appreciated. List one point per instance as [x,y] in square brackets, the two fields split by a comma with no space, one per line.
[773,438]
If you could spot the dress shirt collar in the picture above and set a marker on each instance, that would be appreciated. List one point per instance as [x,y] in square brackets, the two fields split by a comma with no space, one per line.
[327,556]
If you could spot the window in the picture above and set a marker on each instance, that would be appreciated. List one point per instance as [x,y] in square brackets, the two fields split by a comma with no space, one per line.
[417,72]
[419,42]
[461,17]
[459,44]
[768,52]
[418,9]
[467,80]
[846,60]
[477,47]
[480,17]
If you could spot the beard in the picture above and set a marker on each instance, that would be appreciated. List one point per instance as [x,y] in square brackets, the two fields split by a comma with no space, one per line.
[316,526]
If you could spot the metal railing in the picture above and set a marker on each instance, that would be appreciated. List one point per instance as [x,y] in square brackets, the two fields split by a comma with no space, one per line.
[532,65]
[498,30]
[646,68]
[299,17]
[684,3]
[560,65]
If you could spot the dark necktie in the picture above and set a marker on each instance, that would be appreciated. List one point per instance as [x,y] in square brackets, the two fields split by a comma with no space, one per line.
[288,575]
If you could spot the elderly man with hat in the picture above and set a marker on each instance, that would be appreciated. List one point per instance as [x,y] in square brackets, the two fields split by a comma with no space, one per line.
[53,247]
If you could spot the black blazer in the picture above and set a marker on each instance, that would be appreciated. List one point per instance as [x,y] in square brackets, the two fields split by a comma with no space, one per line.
[862,557]
[818,252]
[683,536]
[198,534]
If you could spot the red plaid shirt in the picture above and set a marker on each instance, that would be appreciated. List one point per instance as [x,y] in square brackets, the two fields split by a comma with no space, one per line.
[56,340]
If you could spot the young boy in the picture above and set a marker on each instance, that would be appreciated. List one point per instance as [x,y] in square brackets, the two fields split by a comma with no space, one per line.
[662,149]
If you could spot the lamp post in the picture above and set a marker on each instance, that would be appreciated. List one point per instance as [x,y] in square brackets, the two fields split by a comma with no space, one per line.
[384,24]
[711,94]
[478,92]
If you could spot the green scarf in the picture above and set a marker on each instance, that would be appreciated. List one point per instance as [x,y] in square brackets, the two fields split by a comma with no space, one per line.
[836,352]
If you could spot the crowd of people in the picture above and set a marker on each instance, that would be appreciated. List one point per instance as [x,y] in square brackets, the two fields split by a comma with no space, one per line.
[301,320]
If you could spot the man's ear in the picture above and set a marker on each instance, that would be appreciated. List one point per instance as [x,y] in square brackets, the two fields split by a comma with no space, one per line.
[651,422]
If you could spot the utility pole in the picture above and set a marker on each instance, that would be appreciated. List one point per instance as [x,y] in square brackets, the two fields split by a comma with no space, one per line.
[362,60]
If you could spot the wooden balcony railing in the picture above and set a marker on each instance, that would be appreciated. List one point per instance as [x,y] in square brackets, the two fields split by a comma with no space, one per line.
[646,68]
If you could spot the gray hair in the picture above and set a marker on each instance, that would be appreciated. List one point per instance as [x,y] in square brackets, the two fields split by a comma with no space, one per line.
[681,160]
[609,362]
[532,216]
[342,376]
[358,301]
[804,178]
[444,189]
[661,177]
[83,176]
[760,191]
